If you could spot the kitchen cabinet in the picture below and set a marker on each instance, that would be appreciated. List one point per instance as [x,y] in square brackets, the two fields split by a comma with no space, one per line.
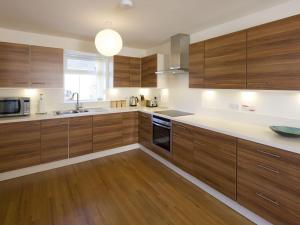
[196,65]
[130,128]
[107,131]
[225,61]
[273,55]
[183,146]
[145,130]
[19,145]
[268,182]
[148,75]
[80,135]
[215,160]
[15,65]
[127,71]
[46,67]
[54,139]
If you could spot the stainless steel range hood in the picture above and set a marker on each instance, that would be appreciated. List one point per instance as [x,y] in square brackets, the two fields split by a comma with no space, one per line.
[179,55]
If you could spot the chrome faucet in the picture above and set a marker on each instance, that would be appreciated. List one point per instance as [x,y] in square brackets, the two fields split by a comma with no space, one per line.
[77,105]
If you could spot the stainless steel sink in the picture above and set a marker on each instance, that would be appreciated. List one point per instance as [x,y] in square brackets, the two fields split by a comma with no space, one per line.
[65,112]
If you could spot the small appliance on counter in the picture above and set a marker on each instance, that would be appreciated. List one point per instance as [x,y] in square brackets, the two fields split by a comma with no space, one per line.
[152,102]
[41,106]
[133,101]
[14,106]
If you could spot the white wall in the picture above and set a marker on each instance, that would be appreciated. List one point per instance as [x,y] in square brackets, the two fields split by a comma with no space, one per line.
[282,104]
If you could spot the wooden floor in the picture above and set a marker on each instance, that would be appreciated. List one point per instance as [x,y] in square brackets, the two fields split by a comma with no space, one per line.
[127,188]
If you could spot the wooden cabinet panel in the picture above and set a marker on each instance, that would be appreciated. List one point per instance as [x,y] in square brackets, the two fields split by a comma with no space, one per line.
[80,135]
[130,128]
[46,67]
[127,71]
[148,75]
[215,160]
[54,139]
[19,145]
[225,61]
[273,55]
[196,64]
[145,130]
[268,182]
[14,65]
[107,131]
[182,146]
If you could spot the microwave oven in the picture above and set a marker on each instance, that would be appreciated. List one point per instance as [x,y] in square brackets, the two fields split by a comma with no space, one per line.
[15,106]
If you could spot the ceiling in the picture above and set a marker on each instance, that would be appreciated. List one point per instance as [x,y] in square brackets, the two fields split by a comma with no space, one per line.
[149,23]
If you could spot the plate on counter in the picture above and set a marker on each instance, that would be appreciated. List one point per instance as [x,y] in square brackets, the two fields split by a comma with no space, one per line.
[286,131]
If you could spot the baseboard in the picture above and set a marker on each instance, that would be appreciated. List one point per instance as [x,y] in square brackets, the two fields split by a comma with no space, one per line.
[227,201]
[53,165]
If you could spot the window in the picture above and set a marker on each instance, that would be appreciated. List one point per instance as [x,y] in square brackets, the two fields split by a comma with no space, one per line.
[84,74]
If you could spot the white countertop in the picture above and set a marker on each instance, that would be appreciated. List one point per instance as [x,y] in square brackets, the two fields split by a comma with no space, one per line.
[256,133]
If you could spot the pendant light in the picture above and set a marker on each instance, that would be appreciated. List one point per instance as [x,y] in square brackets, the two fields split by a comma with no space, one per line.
[108,42]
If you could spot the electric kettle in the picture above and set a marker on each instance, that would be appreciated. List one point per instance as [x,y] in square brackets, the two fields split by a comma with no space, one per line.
[133,101]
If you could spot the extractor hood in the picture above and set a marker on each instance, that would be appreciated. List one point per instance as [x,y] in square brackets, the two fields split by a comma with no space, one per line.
[179,55]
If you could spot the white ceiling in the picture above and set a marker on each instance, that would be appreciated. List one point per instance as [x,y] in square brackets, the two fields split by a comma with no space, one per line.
[149,23]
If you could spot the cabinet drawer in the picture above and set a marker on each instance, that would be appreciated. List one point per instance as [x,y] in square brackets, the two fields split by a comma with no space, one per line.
[182,129]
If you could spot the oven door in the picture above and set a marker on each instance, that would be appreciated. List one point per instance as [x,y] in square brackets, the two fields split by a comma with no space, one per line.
[10,107]
[162,136]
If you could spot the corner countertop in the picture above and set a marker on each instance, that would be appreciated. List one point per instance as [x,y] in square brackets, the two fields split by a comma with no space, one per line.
[256,133]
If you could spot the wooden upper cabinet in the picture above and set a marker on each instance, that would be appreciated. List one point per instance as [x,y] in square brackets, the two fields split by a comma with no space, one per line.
[107,131]
[196,65]
[46,67]
[225,61]
[54,139]
[273,55]
[80,135]
[127,71]
[215,160]
[14,65]
[19,145]
[148,75]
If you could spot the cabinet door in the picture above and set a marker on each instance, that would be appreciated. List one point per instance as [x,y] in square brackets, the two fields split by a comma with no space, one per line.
[145,130]
[107,131]
[130,128]
[268,182]
[182,146]
[54,139]
[273,55]
[215,160]
[121,71]
[14,66]
[80,135]
[149,67]
[46,67]
[225,61]
[196,64]
[135,72]
[19,145]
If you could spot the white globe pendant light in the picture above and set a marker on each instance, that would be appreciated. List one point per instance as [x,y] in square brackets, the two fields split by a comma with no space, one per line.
[108,42]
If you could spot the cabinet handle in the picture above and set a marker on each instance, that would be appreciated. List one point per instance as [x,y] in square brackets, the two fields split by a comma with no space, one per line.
[38,83]
[268,153]
[267,168]
[180,126]
[20,82]
[267,199]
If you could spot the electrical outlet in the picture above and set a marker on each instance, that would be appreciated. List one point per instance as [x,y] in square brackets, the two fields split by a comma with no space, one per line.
[248,108]
[234,106]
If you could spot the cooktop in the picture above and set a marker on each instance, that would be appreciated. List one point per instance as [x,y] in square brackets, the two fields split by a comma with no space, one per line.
[173,113]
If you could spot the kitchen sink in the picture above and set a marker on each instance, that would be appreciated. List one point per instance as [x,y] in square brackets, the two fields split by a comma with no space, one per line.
[71,112]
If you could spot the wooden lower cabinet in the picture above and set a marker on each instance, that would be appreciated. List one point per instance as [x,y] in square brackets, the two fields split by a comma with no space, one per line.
[19,145]
[80,135]
[54,139]
[130,128]
[183,146]
[268,182]
[107,131]
[145,129]
[215,160]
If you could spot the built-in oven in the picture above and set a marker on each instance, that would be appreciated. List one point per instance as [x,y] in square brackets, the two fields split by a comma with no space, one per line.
[161,132]
[14,106]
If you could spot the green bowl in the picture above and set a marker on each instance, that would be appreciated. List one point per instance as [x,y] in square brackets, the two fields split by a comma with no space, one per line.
[286,131]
